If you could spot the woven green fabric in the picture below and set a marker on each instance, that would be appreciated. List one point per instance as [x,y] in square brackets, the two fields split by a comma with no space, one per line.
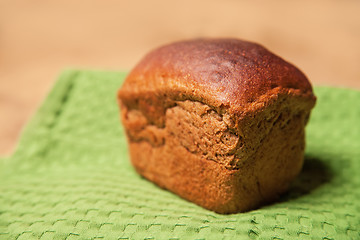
[70,177]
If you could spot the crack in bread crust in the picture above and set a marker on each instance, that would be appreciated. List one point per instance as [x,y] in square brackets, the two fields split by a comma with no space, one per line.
[217,137]
[200,130]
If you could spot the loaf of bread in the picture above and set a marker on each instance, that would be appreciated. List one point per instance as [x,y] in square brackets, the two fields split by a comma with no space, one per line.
[220,122]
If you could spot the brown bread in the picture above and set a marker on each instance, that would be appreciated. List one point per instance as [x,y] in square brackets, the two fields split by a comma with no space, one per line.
[220,122]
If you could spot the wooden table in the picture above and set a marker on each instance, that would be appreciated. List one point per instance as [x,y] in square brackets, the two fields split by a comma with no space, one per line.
[38,39]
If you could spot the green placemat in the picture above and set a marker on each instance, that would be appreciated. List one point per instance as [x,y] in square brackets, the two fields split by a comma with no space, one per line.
[70,177]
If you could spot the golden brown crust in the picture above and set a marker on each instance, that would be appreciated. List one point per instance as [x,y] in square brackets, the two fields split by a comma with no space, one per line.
[218,122]
[222,73]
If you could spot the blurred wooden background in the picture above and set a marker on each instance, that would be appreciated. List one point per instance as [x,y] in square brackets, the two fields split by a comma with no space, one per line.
[38,39]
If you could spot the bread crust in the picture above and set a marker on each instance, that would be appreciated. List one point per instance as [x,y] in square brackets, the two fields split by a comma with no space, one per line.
[220,122]
[223,73]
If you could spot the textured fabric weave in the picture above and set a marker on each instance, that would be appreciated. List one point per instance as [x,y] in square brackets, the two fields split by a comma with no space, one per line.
[70,177]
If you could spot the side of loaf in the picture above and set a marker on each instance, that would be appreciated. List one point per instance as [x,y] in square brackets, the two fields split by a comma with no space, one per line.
[228,142]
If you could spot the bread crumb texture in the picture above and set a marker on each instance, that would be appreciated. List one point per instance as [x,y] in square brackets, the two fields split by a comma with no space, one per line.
[255,154]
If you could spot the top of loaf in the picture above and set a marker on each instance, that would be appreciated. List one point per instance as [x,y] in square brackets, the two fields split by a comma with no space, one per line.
[219,72]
